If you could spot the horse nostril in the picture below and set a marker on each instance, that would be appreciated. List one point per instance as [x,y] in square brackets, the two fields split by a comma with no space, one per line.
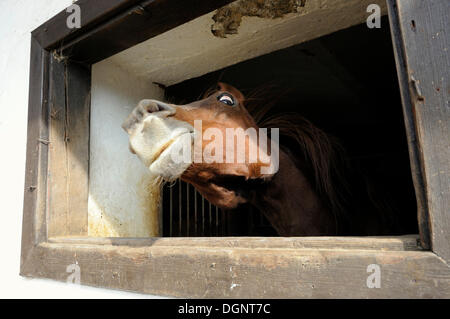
[147,107]
[151,106]
[163,106]
[159,106]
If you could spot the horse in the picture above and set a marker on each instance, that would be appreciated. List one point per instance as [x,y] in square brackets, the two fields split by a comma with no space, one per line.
[313,192]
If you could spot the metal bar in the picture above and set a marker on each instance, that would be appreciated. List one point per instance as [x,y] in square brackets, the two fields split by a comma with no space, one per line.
[217,221]
[187,210]
[195,211]
[161,212]
[251,225]
[203,216]
[210,218]
[179,208]
[171,210]
[223,217]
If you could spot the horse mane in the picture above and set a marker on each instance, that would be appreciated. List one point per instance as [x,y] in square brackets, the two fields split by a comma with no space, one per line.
[322,155]
[322,159]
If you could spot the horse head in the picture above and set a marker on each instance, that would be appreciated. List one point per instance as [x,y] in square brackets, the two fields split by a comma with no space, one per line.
[193,142]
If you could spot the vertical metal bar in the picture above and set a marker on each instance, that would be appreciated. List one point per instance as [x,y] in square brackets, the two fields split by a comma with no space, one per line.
[224,223]
[203,216]
[217,221]
[210,218]
[161,212]
[195,211]
[171,210]
[187,210]
[179,209]
[251,221]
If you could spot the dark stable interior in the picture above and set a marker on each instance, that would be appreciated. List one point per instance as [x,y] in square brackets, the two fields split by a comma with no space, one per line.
[346,84]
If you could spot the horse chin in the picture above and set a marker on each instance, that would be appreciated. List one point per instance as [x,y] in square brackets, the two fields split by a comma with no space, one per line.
[225,198]
[167,165]
[222,191]
[219,195]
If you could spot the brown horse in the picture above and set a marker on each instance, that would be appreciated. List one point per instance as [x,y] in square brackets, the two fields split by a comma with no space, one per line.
[310,193]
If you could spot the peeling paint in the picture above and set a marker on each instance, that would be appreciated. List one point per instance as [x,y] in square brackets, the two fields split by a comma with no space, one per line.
[228,19]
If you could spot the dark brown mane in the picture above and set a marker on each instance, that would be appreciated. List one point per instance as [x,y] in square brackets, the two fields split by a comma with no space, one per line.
[324,157]
[322,154]
[346,193]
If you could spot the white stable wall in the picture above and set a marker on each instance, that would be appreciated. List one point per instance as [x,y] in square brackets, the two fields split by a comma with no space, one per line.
[17,19]
[123,197]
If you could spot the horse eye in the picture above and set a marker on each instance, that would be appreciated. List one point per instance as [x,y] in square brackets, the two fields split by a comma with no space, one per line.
[226,99]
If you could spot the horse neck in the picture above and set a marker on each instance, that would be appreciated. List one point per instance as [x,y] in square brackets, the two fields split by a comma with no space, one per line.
[290,203]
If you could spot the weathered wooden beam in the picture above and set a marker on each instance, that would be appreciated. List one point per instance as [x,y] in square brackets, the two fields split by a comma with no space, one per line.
[50,34]
[58,170]
[34,225]
[70,87]
[131,26]
[401,243]
[209,272]
[422,41]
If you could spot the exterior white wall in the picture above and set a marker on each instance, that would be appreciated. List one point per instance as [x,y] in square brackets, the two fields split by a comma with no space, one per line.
[123,200]
[17,19]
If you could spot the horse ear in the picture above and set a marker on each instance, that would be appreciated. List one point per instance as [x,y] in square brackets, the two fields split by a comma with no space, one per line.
[229,88]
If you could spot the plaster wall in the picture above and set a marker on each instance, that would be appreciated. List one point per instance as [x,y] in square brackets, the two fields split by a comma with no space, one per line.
[123,202]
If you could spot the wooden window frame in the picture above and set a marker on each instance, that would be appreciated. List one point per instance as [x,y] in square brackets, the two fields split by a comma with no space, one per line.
[411,266]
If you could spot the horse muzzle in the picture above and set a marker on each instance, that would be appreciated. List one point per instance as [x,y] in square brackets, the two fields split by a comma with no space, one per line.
[163,143]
